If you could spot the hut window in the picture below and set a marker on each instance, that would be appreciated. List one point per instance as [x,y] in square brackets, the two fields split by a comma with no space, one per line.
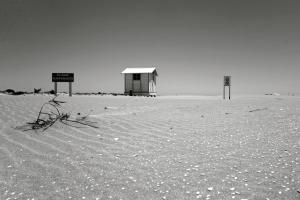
[136,77]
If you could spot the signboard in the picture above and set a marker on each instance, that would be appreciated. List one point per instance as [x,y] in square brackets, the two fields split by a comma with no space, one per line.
[227,81]
[62,77]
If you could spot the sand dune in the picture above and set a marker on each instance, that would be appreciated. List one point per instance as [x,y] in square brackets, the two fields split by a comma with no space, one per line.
[153,148]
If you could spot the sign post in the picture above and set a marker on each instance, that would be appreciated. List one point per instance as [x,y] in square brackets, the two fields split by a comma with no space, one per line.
[70,89]
[55,88]
[63,77]
[227,82]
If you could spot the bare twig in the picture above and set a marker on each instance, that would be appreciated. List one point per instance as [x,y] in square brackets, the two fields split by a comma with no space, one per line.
[46,119]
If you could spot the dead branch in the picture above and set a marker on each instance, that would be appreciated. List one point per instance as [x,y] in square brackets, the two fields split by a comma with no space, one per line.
[47,119]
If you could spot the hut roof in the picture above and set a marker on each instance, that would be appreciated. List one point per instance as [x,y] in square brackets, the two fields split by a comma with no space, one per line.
[139,70]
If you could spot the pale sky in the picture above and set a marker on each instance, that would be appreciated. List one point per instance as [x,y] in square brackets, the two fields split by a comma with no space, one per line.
[193,44]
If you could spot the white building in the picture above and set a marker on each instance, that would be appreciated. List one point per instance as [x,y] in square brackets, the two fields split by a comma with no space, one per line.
[140,81]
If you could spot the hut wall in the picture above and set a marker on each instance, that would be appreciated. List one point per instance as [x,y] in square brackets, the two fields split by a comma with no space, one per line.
[128,83]
[152,82]
[144,83]
[147,84]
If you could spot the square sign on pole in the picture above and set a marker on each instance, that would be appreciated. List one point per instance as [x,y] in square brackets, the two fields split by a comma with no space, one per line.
[63,77]
[227,82]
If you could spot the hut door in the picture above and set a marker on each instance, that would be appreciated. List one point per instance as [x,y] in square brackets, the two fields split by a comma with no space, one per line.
[136,82]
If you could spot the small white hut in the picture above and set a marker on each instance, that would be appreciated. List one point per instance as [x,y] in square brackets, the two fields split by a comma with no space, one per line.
[140,81]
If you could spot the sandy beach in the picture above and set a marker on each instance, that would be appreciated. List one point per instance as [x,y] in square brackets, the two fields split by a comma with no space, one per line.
[169,147]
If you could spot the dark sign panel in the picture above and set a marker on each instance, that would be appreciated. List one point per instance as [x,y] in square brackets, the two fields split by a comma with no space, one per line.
[62,77]
[226,80]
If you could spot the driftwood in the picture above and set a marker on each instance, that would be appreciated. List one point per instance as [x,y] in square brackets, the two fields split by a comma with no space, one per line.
[46,119]
[259,109]
[36,91]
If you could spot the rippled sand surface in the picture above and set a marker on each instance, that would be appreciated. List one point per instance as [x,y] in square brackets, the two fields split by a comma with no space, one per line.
[153,148]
